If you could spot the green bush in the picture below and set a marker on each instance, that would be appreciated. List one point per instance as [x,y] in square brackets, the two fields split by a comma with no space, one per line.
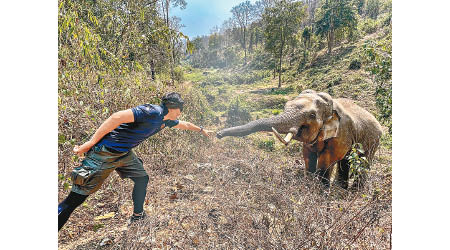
[386,140]
[373,8]
[359,165]
[387,20]
[262,60]
[355,64]
[178,74]
[369,26]
[378,60]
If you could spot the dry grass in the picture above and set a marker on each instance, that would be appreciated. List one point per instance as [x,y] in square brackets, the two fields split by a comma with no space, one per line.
[212,194]
[229,195]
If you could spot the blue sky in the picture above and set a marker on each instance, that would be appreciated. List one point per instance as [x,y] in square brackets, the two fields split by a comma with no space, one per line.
[200,16]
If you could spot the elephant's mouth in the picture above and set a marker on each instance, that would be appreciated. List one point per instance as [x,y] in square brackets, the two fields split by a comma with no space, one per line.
[300,130]
[302,135]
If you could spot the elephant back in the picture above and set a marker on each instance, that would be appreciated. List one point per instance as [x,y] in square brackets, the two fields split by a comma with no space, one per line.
[362,125]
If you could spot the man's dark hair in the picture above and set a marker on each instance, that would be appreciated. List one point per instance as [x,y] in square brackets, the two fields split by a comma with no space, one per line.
[173,101]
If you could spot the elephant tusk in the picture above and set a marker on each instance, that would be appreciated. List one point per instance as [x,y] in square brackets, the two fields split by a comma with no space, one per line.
[286,140]
[288,137]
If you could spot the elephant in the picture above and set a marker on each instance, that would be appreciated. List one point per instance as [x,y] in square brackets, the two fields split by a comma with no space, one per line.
[327,127]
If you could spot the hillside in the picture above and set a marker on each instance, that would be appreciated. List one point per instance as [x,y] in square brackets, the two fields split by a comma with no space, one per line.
[232,193]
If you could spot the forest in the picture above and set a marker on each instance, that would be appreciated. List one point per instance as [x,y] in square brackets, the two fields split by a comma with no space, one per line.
[247,192]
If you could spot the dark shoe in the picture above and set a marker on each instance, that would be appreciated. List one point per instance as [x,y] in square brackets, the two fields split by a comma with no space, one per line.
[135,218]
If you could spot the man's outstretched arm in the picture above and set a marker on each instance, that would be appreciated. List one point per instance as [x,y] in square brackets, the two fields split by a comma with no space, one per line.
[190,126]
[124,116]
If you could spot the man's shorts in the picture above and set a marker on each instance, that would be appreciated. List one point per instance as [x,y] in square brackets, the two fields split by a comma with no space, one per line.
[99,163]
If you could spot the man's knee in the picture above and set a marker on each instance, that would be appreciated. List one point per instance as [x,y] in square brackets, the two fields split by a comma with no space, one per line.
[140,179]
[73,200]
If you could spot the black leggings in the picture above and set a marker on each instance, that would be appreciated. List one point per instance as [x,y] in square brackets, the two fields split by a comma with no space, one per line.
[72,201]
[139,191]
[66,207]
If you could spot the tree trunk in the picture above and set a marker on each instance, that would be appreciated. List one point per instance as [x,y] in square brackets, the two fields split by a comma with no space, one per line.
[245,47]
[152,68]
[331,33]
[330,40]
[173,57]
[281,57]
[167,12]
[250,43]
[304,51]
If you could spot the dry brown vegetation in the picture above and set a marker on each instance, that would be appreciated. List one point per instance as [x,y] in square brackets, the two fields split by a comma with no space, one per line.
[212,194]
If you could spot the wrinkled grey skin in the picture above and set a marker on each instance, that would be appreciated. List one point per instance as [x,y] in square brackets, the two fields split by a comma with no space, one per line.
[327,127]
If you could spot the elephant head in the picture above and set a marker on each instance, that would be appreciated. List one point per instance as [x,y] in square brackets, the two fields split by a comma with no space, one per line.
[309,118]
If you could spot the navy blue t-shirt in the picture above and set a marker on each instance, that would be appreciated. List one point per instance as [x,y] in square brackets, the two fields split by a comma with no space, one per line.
[148,119]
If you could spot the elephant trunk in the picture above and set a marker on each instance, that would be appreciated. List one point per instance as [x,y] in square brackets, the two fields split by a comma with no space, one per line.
[282,123]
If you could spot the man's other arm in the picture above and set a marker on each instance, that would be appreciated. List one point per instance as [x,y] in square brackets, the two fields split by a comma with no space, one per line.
[124,116]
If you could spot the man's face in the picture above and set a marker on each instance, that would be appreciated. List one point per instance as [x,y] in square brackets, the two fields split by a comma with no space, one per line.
[173,114]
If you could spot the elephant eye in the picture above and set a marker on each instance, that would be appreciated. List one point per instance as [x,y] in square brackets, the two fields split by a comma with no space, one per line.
[312,115]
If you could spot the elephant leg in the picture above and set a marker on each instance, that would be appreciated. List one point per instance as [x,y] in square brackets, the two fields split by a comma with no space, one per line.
[310,158]
[343,171]
[332,153]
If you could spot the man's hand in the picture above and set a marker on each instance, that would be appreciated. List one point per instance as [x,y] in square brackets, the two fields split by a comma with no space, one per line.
[189,126]
[207,133]
[80,150]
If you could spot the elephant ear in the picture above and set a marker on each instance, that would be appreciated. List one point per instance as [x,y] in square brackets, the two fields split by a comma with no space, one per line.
[331,126]
[326,104]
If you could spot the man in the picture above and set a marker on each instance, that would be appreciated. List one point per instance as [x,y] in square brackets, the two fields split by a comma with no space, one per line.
[110,149]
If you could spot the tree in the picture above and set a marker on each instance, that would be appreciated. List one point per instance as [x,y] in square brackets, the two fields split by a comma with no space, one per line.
[243,15]
[173,26]
[200,48]
[282,23]
[360,6]
[373,8]
[332,16]
[312,6]
[116,36]
[165,6]
[306,38]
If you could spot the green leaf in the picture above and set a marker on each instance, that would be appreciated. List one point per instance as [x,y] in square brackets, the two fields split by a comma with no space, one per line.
[97,227]
[66,186]
[61,138]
